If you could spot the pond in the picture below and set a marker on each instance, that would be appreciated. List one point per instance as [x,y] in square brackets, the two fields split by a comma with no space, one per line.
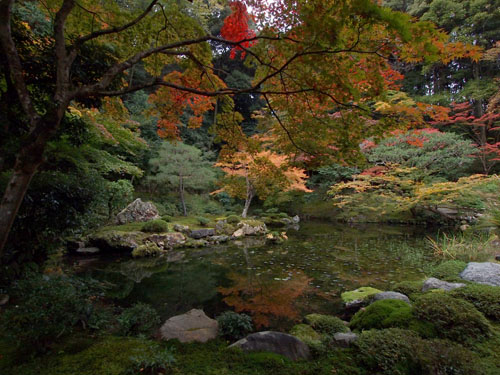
[276,284]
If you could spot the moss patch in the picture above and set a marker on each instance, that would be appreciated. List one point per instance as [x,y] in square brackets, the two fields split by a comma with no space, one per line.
[326,323]
[359,294]
[306,334]
[449,270]
[485,298]
[383,314]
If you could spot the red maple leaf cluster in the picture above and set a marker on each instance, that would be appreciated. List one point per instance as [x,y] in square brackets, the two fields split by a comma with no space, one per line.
[236,29]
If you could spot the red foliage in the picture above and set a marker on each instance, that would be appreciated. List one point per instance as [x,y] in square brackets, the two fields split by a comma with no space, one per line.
[236,29]
[378,170]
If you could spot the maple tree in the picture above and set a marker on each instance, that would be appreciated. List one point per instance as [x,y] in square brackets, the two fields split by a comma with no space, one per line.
[312,58]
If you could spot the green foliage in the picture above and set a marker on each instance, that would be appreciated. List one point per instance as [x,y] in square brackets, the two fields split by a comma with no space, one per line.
[383,314]
[329,175]
[234,326]
[408,288]
[46,308]
[434,154]
[148,249]
[465,247]
[448,270]
[155,226]
[283,215]
[167,218]
[203,221]
[390,351]
[454,319]
[306,334]
[485,298]
[359,294]
[152,361]
[326,324]
[140,319]
[233,219]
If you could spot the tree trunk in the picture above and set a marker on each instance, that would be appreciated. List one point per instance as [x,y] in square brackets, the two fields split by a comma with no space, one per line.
[181,191]
[248,199]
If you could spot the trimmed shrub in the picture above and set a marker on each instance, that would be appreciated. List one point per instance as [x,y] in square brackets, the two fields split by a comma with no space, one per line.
[234,326]
[485,298]
[167,218]
[448,270]
[153,361]
[203,221]
[383,314]
[155,226]
[390,351]
[454,319]
[273,210]
[233,219]
[283,215]
[408,287]
[140,319]
[326,323]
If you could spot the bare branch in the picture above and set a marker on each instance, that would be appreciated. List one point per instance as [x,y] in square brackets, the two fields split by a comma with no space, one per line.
[114,30]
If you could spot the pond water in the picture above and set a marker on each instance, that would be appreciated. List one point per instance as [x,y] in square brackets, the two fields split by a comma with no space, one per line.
[276,284]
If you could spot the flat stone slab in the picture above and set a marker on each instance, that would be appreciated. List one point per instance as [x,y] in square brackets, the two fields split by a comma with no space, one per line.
[482,273]
[391,295]
[345,339]
[274,342]
[433,283]
[191,326]
[202,233]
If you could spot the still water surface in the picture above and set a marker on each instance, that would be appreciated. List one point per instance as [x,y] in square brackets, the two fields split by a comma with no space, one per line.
[276,284]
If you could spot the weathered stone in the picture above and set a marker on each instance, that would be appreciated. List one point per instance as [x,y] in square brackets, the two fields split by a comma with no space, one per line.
[168,240]
[391,295]
[497,257]
[250,228]
[433,283]
[296,219]
[4,299]
[202,233]
[137,211]
[218,239]
[275,342]
[87,250]
[182,228]
[344,339]
[115,240]
[483,273]
[191,326]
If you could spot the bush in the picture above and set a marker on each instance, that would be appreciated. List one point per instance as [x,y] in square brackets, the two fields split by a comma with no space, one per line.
[155,226]
[167,218]
[448,270]
[234,326]
[273,210]
[257,212]
[46,308]
[138,319]
[453,318]
[485,298]
[148,249]
[390,351]
[203,221]
[326,323]
[283,215]
[233,219]
[408,287]
[383,314]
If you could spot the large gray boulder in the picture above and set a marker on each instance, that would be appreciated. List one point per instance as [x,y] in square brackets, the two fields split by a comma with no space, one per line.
[275,342]
[391,295]
[250,228]
[191,326]
[137,211]
[433,283]
[483,273]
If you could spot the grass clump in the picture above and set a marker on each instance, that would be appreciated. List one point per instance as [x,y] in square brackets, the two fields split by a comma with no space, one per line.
[203,221]
[155,226]
[233,219]
[485,298]
[449,270]
[465,246]
[454,319]
[326,324]
[383,314]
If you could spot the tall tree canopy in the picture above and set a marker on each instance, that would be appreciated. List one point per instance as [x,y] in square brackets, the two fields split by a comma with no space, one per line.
[320,65]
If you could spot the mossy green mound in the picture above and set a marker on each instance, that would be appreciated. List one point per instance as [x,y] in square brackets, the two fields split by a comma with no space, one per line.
[409,288]
[449,270]
[155,226]
[485,298]
[306,334]
[326,324]
[359,294]
[383,314]
[453,318]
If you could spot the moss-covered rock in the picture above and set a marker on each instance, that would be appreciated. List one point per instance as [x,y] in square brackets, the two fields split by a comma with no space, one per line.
[115,240]
[359,294]
[306,334]
[410,288]
[148,249]
[326,324]
[383,314]
[454,319]
[485,298]
[449,270]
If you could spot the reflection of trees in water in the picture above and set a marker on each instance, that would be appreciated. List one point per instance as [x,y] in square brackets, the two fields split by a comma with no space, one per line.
[266,300]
